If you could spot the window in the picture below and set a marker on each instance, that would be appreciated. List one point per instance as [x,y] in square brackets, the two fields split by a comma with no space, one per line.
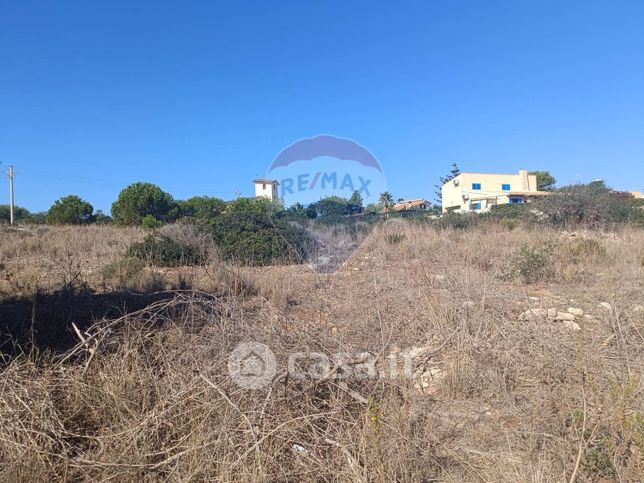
[475,206]
[506,187]
[476,186]
[264,186]
[516,201]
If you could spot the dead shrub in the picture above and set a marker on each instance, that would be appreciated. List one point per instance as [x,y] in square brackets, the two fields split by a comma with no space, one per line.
[131,274]
[395,238]
[533,263]
[586,248]
[189,235]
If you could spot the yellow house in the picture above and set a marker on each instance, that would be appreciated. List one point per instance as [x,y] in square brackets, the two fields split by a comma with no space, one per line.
[478,192]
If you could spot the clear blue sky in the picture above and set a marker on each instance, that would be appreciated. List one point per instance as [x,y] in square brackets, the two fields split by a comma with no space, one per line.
[199,97]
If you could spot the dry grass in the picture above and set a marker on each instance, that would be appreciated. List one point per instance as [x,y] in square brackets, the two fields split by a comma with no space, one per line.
[150,398]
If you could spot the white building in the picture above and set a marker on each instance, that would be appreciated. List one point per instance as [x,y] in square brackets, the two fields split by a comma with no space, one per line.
[478,192]
[266,188]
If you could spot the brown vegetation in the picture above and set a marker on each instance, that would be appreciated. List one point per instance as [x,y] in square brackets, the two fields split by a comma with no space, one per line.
[146,394]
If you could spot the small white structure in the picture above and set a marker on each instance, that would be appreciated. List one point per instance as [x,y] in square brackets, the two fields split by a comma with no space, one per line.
[266,188]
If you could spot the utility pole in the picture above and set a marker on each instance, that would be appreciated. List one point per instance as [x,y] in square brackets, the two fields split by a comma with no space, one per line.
[11,175]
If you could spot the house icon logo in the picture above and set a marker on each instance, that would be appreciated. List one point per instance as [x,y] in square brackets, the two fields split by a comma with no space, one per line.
[252,365]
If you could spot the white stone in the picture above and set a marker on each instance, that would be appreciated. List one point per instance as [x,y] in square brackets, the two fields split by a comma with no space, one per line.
[575,311]
[606,305]
[533,313]
[552,313]
[569,324]
[638,308]
[565,316]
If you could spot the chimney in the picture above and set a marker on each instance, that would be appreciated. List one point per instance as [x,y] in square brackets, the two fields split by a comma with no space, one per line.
[525,180]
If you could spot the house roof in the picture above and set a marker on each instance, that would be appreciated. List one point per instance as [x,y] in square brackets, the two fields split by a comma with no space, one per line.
[518,173]
[264,180]
[402,205]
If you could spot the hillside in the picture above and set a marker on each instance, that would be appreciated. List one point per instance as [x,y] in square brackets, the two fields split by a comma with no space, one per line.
[526,352]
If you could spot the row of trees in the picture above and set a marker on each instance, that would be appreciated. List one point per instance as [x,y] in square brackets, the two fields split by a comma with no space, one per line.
[148,205]
[145,204]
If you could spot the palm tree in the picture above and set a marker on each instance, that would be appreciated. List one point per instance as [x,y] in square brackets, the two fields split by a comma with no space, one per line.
[386,199]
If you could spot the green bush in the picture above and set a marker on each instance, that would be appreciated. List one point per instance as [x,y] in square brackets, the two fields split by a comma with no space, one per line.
[333,206]
[70,210]
[509,223]
[19,214]
[533,264]
[151,223]
[460,221]
[593,205]
[161,251]
[140,200]
[518,211]
[260,206]
[201,207]
[255,239]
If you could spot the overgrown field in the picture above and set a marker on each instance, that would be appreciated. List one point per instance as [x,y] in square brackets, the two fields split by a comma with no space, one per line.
[528,345]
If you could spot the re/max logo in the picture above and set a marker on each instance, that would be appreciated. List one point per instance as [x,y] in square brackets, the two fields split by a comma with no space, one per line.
[333,180]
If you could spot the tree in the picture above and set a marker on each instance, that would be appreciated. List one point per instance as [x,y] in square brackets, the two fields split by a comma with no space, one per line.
[373,208]
[101,218]
[262,206]
[19,214]
[201,207]
[545,181]
[386,200]
[70,210]
[453,173]
[355,202]
[332,206]
[140,200]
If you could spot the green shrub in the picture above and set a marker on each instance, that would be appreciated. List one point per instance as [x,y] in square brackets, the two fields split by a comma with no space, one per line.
[460,221]
[70,210]
[19,214]
[509,223]
[533,264]
[140,200]
[201,207]
[151,223]
[161,251]
[196,237]
[255,239]
[259,206]
[593,205]
[517,211]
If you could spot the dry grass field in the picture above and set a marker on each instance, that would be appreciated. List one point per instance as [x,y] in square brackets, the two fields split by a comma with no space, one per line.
[530,364]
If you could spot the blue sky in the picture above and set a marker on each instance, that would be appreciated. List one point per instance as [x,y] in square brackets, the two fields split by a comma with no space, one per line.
[199,97]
